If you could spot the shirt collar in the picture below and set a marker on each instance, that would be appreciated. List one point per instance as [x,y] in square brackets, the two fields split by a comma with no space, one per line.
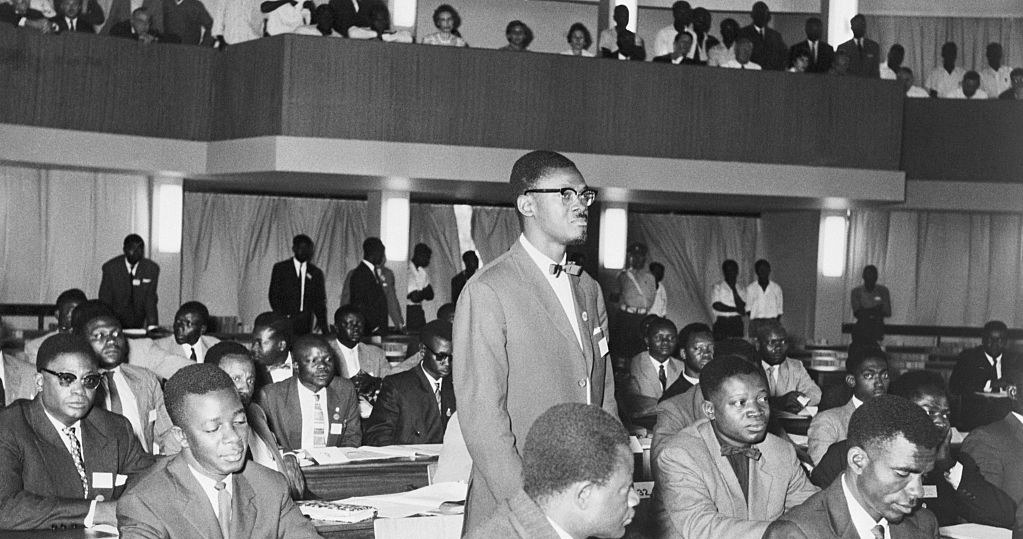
[657,364]
[343,346]
[861,520]
[562,534]
[856,402]
[302,389]
[209,484]
[541,260]
[691,380]
[433,381]
[60,426]
[298,265]
[992,360]
[286,365]
[127,264]
[1018,416]
[369,265]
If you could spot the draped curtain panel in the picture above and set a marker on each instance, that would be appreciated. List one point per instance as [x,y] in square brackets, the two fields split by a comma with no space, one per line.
[231,242]
[923,37]
[60,226]
[692,248]
[494,230]
[434,225]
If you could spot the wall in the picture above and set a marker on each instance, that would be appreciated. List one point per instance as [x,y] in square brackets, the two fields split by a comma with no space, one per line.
[790,244]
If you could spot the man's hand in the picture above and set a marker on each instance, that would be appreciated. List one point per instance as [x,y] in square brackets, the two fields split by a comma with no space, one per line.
[106,513]
[788,402]
[293,473]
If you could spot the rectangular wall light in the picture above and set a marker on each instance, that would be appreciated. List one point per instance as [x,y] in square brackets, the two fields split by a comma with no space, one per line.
[833,245]
[168,207]
[614,231]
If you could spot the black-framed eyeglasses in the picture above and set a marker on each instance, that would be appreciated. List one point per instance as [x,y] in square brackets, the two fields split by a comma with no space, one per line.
[568,195]
[104,336]
[439,357]
[89,381]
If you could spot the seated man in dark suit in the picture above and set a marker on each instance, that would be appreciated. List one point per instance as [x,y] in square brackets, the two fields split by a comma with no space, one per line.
[129,285]
[366,286]
[979,370]
[683,44]
[892,444]
[63,462]
[316,408]
[209,489]
[139,28]
[955,491]
[78,16]
[576,479]
[271,348]
[189,339]
[297,289]
[414,406]
[18,13]
[696,346]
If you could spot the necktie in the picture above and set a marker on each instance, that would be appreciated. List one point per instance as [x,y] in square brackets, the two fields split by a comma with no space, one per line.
[111,387]
[3,394]
[436,395]
[662,377]
[319,428]
[813,51]
[770,376]
[877,532]
[224,507]
[193,357]
[569,268]
[859,45]
[131,286]
[748,452]
[76,455]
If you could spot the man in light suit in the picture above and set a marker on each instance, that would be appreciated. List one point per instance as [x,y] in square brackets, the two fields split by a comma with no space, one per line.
[209,490]
[727,476]
[297,289]
[530,329]
[189,339]
[352,355]
[981,370]
[129,285]
[292,405]
[864,53]
[653,370]
[790,386]
[67,301]
[867,375]
[892,444]
[63,461]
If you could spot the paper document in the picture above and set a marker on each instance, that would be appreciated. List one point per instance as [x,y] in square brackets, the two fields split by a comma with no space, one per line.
[424,500]
[344,455]
[974,531]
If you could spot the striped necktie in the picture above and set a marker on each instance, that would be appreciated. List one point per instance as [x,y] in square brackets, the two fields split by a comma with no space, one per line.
[319,426]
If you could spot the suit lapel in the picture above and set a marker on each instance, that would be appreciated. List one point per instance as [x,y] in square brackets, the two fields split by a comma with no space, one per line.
[1015,427]
[51,446]
[761,481]
[141,402]
[430,402]
[259,426]
[100,456]
[196,508]
[838,511]
[534,280]
[243,507]
[334,399]
[725,471]
[293,408]
[583,317]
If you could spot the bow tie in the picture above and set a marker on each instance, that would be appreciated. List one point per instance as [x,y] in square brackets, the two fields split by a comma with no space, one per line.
[569,268]
[748,452]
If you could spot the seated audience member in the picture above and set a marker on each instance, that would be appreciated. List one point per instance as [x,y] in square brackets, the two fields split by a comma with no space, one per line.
[141,352]
[906,78]
[704,42]
[576,479]
[819,53]
[726,476]
[380,27]
[683,46]
[209,489]
[446,312]
[414,406]
[892,445]
[840,66]
[729,303]
[969,88]
[871,303]
[866,374]
[519,36]
[682,22]
[139,28]
[316,408]
[864,53]
[981,370]
[579,42]
[800,62]
[790,386]
[743,52]
[353,355]
[323,23]
[236,360]
[67,301]
[189,339]
[349,13]
[471,263]
[1016,92]
[995,78]
[696,348]
[285,16]
[447,21]
[660,304]
[18,13]
[121,12]
[724,51]
[236,21]
[620,42]
[271,348]
[996,447]
[17,377]
[63,461]
[126,389]
[889,69]
[189,21]
[653,370]
[947,77]
[81,16]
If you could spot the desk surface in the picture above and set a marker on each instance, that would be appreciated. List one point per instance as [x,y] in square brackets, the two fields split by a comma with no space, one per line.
[340,481]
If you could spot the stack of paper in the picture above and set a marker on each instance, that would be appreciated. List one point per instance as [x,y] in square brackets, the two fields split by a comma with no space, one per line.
[335,512]
[426,500]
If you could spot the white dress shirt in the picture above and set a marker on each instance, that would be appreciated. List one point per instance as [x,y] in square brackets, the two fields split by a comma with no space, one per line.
[861,520]
[886,72]
[351,358]
[129,405]
[660,305]
[722,293]
[238,21]
[916,91]
[995,82]
[690,379]
[562,534]
[560,284]
[77,425]
[306,402]
[944,82]
[286,18]
[763,303]
[209,486]
[283,371]
[418,279]
[300,270]
[959,94]
[200,350]
[996,362]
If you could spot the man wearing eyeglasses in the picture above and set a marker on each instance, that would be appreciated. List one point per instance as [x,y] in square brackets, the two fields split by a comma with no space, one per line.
[530,331]
[63,462]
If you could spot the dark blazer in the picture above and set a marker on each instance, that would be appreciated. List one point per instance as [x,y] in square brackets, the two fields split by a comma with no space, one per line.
[8,16]
[825,56]
[284,413]
[516,518]
[132,299]
[971,372]
[123,29]
[169,503]
[367,293]
[286,296]
[996,449]
[406,410]
[345,15]
[769,50]
[678,387]
[457,284]
[81,26]
[39,484]
[865,64]
[666,59]
[825,515]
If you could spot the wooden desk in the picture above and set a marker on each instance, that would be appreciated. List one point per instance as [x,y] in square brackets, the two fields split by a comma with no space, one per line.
[339,481]
[333,530]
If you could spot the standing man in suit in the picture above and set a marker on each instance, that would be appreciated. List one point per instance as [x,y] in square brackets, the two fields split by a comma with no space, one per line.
[209,490]
[817,50]
[769,50]
[892,445]
[129,285]
[726,476]
[530,329]
[864,53]
[316,408]
[866,374]
[653,370]
[189,339]
[78,16]
[472,263]
[791,388]
[63,461]
[297,289]
[414,406]
[67,301]
[981,370]
[366,286]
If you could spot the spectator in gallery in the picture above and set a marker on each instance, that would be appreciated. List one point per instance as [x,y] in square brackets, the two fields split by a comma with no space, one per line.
[448,21]
[579,41]
[945,79]
[139,28]
[800,62]
[840,67]
[969,88]
[419,287]
[189,20]
[519,36]
[1016,92]
[769,50]
[323,23]
[236,21]
[683,46]
[124,10]
[682,22]
[743,53]
[819,53]
[995,78]
[890,68]
[285,16]
[18,13]
[906,78]
[703,42]
[863,52]
[724,52]
[620,42]
[80,16]
[472,263]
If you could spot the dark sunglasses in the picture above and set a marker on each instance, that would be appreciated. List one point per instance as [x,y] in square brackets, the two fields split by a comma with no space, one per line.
[89,381]
[439,357]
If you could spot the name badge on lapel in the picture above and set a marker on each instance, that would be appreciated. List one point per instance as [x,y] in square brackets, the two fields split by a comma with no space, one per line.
[136,282]
[102,480]
[602,342]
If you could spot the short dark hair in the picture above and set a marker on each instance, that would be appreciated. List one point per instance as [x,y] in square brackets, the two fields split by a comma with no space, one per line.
[719,369]
[691,330]
[656,268]
[972,75]
[72,294]
[761,263]
[660,323]
[194,307]
[913,385]
[469,255]
[897,47]
[860,353]
[222,349]
[440,329]
[729,263]
[198,379]
[133,239]
[814,20]
[768,326]
[346,310]
[278,323]
[536,165]
[994,45]
[858,16]
[308,341]
[995,325]
[63,343]
[949,46]
[569,443]
[372,244]
[301,239]
[456,19]
[422,249]
[445,311]
[582,28]
[1016,72]
[907,70]
[88,311]
[525,28]
[884,418]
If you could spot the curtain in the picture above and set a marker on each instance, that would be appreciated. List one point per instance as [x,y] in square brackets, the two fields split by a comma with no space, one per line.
[60,226]
[494,230]
[231,242]
[434,225]
[692,248]
[923,37]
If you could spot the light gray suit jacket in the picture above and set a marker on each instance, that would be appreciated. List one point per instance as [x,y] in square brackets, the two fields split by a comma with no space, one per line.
[792,376]
[828,427]
[517,356]
[168,344]
[644,387]
[996,449]
[675,414]
[145,353]
[371,360]
[151,409]
[19,378]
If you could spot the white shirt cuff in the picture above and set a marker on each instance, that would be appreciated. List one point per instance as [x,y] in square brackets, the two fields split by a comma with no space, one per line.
[21,23]
[92,515]
[955,475]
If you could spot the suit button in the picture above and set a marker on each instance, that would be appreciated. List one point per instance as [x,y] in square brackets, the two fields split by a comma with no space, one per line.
[582,382]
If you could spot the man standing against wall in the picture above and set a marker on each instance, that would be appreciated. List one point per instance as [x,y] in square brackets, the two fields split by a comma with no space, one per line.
[129,285]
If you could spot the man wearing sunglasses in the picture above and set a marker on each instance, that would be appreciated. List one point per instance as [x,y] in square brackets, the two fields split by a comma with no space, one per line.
[530,331]
[414,406]
[63,462]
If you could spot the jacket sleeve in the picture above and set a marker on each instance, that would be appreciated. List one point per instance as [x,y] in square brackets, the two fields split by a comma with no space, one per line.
[805,384]
[320,295]
[352,436]
[382,422]
[822,433]
[22,510]
[106,288]
[610,405]
[980,501]
[136,519]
